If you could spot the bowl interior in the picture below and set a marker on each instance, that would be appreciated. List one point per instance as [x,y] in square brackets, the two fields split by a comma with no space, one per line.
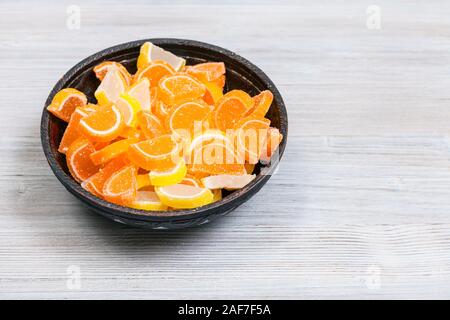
[240,74]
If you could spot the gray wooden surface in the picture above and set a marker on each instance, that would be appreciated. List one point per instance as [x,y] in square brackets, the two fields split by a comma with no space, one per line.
[360,207]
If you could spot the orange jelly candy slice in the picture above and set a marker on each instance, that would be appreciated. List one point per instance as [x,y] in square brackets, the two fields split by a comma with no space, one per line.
[95,183]
[231,108]
[262,103]
[159,153]
[216,158]
[154,72]
[273,140]
[112,151]
[187,118]
[72,130]
[65,102]
[102,69]
[207,71]
[178,88]
[78,159]
[121,186]
[105,123]
[251,135]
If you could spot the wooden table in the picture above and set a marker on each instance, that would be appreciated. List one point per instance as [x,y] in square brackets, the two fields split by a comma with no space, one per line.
[360,206]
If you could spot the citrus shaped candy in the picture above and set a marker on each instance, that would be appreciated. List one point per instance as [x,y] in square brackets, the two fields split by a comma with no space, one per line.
[231,108]
[154,72]
[169,176]
[207,71]
[262,103]
[104,124]
[78,159]
[94,184]
[65,102]
[149,52]
[216,158]
[273,140]
[72,133]
[121,187]
[178,88]
[251,136]
[181,196]
[148,200]
[112,151]
[188,117]
[101,69]
[155,154]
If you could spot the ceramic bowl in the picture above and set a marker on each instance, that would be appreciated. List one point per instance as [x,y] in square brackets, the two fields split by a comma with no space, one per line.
[240,74]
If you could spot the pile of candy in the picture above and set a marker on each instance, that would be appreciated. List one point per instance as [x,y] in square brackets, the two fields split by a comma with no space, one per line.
[166,137]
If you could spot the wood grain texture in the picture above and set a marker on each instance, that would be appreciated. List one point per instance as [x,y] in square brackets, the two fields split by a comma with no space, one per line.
[360,206]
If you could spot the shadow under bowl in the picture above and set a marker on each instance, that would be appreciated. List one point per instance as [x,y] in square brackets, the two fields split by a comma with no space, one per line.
[240,74]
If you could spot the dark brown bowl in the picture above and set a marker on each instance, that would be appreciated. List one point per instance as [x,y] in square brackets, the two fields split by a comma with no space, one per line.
[240,74]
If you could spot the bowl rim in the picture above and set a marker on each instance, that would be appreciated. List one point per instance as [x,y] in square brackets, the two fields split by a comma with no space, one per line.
[232,200]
